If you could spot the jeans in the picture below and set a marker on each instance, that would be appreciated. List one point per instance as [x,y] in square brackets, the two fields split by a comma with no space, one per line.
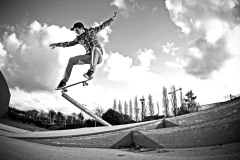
[92,59]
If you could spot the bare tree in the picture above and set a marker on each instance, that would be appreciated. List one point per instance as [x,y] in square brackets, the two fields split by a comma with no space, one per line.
[136,109]
[150,105]
[130,109]
[174,100]
[120,107]
[158,107]
[115,105]
[51,115]
[181,97]
[81,117]
[59,117]
[41,114]
[99,111]
[165,102]
[144,109]
[74,115]
[125,108]
[190,101]
[32,113]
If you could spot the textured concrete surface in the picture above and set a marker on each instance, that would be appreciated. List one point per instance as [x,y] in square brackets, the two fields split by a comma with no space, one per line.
[12,149]
[103,140]
[204,134]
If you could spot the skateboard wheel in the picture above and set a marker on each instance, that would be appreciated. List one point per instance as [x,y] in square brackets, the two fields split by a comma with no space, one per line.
[64,90]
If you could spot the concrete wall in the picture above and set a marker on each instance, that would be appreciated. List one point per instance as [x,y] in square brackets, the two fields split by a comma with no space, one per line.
[4,96]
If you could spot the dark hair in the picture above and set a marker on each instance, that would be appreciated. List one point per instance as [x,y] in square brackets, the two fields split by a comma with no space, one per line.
[77,25]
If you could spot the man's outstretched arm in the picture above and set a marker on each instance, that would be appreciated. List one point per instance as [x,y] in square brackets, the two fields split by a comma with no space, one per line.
[64,44]
[106,23]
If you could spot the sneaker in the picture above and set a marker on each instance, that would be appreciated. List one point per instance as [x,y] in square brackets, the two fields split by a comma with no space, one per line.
[61,84]
[88,75]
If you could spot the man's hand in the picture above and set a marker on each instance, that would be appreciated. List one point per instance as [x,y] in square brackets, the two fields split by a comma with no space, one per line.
[115,15]
[53,46]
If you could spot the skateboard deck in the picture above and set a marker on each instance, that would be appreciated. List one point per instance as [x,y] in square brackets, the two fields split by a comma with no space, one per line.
[64,89]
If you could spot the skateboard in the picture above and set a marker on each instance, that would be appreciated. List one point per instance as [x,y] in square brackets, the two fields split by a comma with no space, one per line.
[64,89]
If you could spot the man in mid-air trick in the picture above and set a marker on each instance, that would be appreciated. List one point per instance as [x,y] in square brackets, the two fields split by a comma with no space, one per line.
[94,51]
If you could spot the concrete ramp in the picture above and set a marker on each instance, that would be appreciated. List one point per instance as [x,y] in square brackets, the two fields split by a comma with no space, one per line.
[4,96]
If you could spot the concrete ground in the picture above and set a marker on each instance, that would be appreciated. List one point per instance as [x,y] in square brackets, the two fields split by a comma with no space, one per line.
[13,149]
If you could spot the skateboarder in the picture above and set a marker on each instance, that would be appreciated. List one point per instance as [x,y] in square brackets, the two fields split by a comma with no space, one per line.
[94,51]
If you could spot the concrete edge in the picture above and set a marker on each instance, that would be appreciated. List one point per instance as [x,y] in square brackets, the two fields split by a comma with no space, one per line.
[79,132]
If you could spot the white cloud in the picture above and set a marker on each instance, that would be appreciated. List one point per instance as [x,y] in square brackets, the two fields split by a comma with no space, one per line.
[215,29]
[214,23]
[233,39]
[177,11]
[2,50]
[195,52]
[189,14]
[133,79]
[3,53]
[146,57]
[169,48]
[12,43]
[121,68]
[119,3]
[126,7]
[35,26]
[118,67]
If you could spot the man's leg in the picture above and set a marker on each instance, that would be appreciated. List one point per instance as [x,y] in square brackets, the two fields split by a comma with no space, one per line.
[80,60]
[96,59]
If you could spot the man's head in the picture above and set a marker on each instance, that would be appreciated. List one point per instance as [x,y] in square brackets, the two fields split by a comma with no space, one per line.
[78,28]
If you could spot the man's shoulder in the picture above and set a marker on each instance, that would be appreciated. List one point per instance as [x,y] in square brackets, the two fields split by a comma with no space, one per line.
[91,29]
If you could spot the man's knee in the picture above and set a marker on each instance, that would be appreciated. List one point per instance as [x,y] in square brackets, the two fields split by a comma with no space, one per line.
[72,60]
[99,60]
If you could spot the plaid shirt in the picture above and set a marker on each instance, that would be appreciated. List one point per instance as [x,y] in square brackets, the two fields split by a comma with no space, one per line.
[88,39]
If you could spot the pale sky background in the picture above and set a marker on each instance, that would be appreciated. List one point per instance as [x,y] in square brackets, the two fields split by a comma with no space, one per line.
[192,44]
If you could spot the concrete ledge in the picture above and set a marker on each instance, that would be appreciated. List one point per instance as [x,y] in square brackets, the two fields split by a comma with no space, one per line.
[83,131]
[10,129]
[213,105]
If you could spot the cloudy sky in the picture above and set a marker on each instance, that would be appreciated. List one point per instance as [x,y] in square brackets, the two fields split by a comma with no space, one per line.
[191,44]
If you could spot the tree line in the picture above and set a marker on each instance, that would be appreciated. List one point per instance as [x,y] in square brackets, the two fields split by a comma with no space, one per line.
[139,109]
[130,112]
[50,120]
